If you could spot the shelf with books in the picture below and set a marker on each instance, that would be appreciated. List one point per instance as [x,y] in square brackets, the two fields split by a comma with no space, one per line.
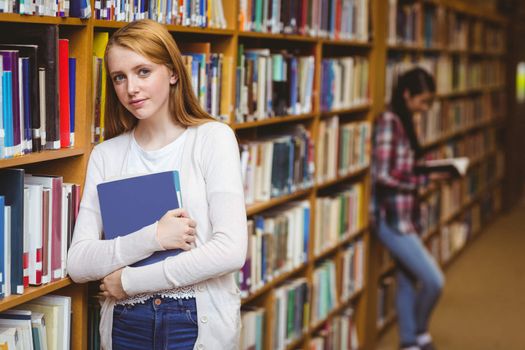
[17,18]
[258,207]
[277,280]
[274,120]
[325,253]
[343,178]
[33,293]
[40,157]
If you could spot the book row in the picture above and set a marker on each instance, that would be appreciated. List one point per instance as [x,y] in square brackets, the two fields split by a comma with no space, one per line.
[453,74]
[41,324]
[55,8]
[194,13]
[272,84]
[37,94]
[37,217]
[344,83]
[277,165]
[340,332]
[279,240]
[413,24]
[452,116]
[342,148]
[338,216]
[336,19]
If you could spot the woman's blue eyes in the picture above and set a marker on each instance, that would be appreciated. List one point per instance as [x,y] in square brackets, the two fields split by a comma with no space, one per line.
[143,72]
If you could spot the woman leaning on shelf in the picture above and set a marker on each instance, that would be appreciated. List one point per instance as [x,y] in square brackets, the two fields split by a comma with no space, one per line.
[396,206]
[154,123]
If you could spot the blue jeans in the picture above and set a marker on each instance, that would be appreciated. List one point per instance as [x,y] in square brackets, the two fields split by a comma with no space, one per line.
[158,324]
[419,281]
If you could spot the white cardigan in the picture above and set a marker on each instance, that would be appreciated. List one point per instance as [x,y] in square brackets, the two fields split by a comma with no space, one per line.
[213,196]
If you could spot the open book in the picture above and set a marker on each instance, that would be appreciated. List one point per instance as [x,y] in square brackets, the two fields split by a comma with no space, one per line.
[455,166]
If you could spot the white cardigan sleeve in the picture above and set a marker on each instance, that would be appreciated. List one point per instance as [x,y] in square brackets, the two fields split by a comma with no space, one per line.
[225,252]
[91,258]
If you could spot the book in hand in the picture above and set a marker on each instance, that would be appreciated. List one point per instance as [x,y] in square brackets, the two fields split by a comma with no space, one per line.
[129,204]
[454,166]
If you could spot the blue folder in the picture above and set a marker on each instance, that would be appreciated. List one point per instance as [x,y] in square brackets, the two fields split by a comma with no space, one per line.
[130,204]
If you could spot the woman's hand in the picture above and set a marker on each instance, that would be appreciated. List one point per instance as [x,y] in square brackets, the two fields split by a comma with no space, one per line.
[111,286]
[440,176]
[176,230]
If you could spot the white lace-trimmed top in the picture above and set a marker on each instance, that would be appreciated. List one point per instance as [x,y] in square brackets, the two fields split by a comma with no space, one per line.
[141,161]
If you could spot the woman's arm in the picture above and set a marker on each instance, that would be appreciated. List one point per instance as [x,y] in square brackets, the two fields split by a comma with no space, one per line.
[91,258]
[385,144]
[225,252]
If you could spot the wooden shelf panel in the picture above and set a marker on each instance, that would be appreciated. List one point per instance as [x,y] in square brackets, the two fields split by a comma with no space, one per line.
[278,36]
[256,208]
[345,239]
[343,178]
[16,18]
[40,157]
[356,109]
[345,42]
[273,283]
[442,139]
[273,120]
[32,293]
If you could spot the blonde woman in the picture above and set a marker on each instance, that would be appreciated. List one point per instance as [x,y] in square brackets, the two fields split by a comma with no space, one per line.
[155,124]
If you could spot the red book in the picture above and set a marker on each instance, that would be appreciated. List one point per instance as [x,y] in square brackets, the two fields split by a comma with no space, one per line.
[63,93]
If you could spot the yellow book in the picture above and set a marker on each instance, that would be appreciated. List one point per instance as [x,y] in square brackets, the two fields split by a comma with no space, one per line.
[3,346]
[100,41]
[226,107]
[52,317]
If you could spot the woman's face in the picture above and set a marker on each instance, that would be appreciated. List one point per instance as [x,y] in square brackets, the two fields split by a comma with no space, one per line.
[143,87]
[418,103]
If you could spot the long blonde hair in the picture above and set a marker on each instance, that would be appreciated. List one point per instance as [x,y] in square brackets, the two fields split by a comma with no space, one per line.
[153,41]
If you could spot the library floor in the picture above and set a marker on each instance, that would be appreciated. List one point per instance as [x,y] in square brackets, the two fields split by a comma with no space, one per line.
[483,304]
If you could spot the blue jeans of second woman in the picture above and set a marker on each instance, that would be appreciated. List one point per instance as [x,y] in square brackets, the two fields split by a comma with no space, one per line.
[158,324]
[419,281]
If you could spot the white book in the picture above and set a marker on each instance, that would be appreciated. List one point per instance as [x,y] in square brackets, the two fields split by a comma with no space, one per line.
[39,330]
[34,227]
[20,319]
[66,188]
[456,166]
[10,336]
[62,327]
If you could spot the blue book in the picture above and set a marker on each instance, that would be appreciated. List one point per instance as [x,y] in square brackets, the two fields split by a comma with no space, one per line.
[7,78]
[12,188]
[2,235]
[130,204]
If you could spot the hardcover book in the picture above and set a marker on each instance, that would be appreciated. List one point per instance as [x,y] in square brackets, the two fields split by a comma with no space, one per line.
[129,204]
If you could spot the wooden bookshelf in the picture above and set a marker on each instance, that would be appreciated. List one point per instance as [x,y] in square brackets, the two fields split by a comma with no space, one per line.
[71,163]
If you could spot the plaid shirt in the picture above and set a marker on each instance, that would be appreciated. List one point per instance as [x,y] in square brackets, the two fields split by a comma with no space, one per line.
[395,183]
